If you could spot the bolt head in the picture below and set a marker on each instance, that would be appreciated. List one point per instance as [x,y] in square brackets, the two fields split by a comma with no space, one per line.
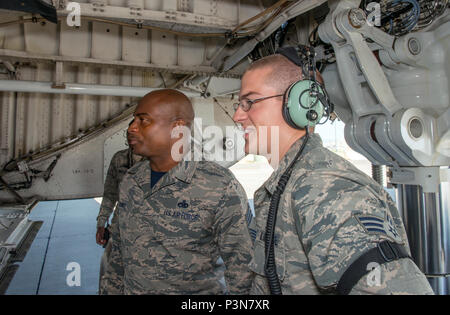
[357,17]
[414,46]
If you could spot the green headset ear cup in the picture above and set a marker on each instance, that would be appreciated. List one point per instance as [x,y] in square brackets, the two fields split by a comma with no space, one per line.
[285,110]
[293,110]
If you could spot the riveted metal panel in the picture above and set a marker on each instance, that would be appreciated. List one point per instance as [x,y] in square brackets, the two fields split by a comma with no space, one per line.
[75,41]
[164,50]
[41,38]
[190,51]
[135,45]
[106,41]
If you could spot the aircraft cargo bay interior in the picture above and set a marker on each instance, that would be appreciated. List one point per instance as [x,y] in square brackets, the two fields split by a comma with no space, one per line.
[319,128]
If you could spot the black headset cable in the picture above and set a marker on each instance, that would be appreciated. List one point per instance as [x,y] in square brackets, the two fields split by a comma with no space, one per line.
[270,268]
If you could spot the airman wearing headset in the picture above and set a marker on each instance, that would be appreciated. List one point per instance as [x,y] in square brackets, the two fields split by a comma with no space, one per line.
[321,225]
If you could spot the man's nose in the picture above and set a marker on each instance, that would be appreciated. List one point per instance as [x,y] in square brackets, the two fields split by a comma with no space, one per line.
[133,127]
[239,115]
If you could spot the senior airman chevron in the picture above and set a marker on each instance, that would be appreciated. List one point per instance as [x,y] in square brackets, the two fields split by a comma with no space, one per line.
[378,225]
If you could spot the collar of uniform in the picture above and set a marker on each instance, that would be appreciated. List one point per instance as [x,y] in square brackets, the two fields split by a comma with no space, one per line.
[184,170]
[314,141]
[141,173]
[137,158]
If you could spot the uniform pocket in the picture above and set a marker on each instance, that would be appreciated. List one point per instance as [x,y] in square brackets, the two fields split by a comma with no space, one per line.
[259,258]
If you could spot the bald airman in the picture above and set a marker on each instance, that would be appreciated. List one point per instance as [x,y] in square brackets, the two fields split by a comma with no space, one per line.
[175,218]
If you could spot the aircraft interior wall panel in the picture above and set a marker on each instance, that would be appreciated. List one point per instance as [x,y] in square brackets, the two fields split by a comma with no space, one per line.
[153,4]
[135,45]
[136,78]
[106,41]
[37,128]
[43,119]
[40,104]
[248,9]
[136,4]
[7,113]
[164,49]
[190,51]
[84,104]
[41,38]
[85,114]
[57,114]
[99,2]
[212,47]
[75,41]
[20,125]
[204,7]
[109,42]
[118,3]
[31,132]
[27,123]
[104,102]
[185,6]
[153,79]
[77,174]
[13,37]
[169,5]
[226,9]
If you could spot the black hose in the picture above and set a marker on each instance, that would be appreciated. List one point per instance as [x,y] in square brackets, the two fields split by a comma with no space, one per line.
[270,268]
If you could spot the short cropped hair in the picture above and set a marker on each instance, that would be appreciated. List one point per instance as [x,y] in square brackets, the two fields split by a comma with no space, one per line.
[283,71]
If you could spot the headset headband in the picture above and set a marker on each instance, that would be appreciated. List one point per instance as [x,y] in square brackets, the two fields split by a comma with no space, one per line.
[291,54]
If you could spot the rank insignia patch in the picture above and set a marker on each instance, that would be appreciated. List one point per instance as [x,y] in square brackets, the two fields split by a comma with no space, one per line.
[377,225]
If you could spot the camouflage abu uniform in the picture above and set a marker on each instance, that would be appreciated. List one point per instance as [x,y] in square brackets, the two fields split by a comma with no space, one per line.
[170,236]
[120,163]
[324,224]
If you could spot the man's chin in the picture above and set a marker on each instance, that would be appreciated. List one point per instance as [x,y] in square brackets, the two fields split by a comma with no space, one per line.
[135,148]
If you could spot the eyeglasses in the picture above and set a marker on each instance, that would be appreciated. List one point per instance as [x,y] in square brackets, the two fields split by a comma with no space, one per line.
[246,104]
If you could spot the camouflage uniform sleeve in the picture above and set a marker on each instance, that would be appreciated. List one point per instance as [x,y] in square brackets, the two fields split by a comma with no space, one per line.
[404,272]
[324,209]
[395,277]
[112,280]
[110,194]
[232,236]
